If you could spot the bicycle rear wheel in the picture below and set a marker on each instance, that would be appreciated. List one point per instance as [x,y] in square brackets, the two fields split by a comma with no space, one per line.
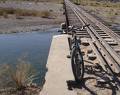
[77,64]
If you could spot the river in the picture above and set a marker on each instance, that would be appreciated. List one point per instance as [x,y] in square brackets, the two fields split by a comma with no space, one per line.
[33,45]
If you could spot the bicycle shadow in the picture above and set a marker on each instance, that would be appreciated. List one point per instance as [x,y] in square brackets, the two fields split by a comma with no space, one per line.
[94,72]
[73,84]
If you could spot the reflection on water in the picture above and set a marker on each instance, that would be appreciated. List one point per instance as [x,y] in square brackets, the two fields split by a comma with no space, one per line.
[34,46]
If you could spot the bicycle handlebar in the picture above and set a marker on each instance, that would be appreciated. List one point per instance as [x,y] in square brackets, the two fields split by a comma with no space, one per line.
[73,28]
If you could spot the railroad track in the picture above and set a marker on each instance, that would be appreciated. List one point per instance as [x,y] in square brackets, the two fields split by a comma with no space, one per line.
[104,42]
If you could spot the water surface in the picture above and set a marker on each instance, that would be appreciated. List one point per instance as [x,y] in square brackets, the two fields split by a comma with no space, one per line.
[34,46]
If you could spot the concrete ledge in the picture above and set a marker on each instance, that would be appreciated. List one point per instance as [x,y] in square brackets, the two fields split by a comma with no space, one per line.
[59,68]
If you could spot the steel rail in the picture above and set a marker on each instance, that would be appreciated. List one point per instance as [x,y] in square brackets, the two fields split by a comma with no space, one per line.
[102,61]
[100,25]
[105,44]
[102,49]
[66,15]
[109,58]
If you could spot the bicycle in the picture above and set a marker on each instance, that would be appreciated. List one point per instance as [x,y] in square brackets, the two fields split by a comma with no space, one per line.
[77,62]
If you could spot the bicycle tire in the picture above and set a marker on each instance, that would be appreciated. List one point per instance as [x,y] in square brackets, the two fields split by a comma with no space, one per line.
[75,68]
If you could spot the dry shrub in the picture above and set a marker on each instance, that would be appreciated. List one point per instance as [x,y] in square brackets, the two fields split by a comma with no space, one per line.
[5,11]
[23,74]
[5,15]
[45,14]
[17,78]
[8,10]
[20,12]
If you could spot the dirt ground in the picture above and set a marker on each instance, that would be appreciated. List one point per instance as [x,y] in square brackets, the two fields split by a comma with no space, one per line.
[108,15]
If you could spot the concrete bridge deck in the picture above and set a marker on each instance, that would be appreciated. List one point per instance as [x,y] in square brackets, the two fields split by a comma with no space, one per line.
[59,68]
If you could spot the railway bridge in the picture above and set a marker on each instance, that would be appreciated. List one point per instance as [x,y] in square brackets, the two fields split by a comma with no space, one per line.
[104,43]
[100,48]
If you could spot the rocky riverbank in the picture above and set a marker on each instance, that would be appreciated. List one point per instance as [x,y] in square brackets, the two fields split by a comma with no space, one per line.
[14,20]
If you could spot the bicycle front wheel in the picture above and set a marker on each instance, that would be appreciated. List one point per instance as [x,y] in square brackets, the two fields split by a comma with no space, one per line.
[77,64]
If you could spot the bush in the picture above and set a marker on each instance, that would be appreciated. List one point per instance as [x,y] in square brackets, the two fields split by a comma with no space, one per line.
[5,15]
[1,12]
[45,14]
[17,78]
[20,12]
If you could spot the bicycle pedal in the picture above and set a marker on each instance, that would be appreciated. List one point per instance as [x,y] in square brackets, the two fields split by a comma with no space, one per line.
[101,82]
[104,81]
[68,56]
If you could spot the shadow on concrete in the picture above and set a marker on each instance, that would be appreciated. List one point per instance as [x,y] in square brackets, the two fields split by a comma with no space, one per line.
[103,80]
[73,84]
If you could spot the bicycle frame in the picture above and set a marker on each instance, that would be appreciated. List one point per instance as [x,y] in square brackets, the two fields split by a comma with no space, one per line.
[77,62]
[76,57]
[74,43]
